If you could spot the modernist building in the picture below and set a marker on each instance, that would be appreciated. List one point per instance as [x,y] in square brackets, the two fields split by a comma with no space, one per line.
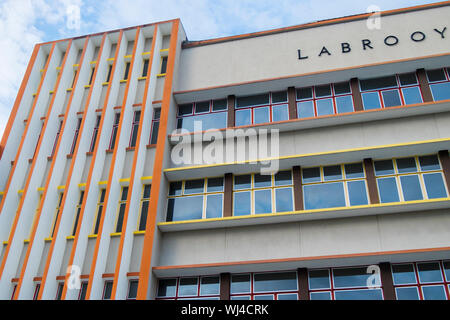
[91,189]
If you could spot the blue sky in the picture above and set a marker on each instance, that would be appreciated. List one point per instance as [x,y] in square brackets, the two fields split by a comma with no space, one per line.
[23,23]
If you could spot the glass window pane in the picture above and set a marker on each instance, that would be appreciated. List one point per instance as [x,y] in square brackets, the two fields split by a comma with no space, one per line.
[320,295]
[408,79]
[221,104]
[283,198]
[167,287]
[350,277]
[287,296]
[243,182]
[387,188]
[311,175]
[403,274]
[327,195]
[263,201]
[280,96]
[145,195]
[240,283]
[429,272]
[264,297]
[411,187]
[194,186]
[324,107]
[202,107]
[214,206]
[305,109]
[132,289]
[283,178]
[342,88]
[208,121]
[447,270]
[261,115]
[209,286]
[378,83]
[188,287]
[406,165]
[371,100]
[252,100]
[319,279]
[304,93]
[434,293]
[428,163]
[344,104]
[368,294]
[391,98]
[354,170]
[280,112]
[262,181]
[412,95]
[436,75]
[240,298]
[243,117]
[215,185]
[107,290]
[242,205]
[185,208]
[332,173]
[175,188]
[407,293]
[441,91]
[323,91]
[185,109]
[285,281]
[434,184]
[383,167]
[357,193]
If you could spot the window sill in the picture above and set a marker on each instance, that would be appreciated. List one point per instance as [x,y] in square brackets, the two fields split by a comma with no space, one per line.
[306,215]
[150,146]
[69,156]
[139,232]
[49,239]
[115,234]
[123,81]
[109,150]
[161,75]
[130,149]
[90,153]
[92,236]
[70,237]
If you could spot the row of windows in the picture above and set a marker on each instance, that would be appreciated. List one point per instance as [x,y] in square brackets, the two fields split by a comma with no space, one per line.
[412,281]
[316,101]
[332,186]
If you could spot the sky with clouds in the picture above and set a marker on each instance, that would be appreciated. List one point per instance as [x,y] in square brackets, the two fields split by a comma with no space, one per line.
[23,23]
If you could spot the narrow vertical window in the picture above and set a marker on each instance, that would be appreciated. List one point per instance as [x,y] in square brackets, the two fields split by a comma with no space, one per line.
[127,71]
[36,291]
[145,68]
[83,289]
[94,134]
[163,65]
[114,131]
[99,211]
[144,207]
[132,289]
[77,215]
[14,291]
[109,73]
[56,138]
[134,128]
[37,142]
[107,290]
[56,214]
[74,77]
[75,137]
[155,126]
[122,206]
[92,75]
[59,291]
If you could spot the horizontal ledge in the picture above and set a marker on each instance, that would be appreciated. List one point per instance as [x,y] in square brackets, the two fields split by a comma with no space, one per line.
[306,215]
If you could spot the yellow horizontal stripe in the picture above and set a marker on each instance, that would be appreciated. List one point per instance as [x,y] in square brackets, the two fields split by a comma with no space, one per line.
[139,232]
[92,236]
[103,182]
[116,234]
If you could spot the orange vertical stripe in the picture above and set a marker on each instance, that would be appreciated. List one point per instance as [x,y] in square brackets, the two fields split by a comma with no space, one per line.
[111,170]
[16,218]
[133,169]
[19,97]
[147,251]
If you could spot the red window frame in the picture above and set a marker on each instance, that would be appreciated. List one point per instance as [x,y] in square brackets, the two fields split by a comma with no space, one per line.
[446,72]
[75,137]
[270,105]
[197,113]
[107,282]
[95,134]
[198,296]
[134,128]
[56,138]
[154,134]
[129,286]
[36,291]
[84,285]
[115,127]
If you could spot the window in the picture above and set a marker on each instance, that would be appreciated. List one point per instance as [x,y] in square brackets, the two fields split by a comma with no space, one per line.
[95,134]
[115,127]
[155,126]
[56,214]
[122,206]
[134,128]
[132,289]
[334,186]
[108,77]
[261,108]
[83,289]
[75,137]
[107,290]
[262,194]
[324,100]
[36,291]
[37,141]
[35,216]
[14,292]
[439,83]
[342,284]
[211,114]
[192,288]
[144,207]
[409,179]
[195,199]
[59,291]
[163,65]
[127,71]
[422,280]
[145,68]
[264,286]
[92,75]
[98,217]
[77,214]
[56,138]
[74,77]
[390,91]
